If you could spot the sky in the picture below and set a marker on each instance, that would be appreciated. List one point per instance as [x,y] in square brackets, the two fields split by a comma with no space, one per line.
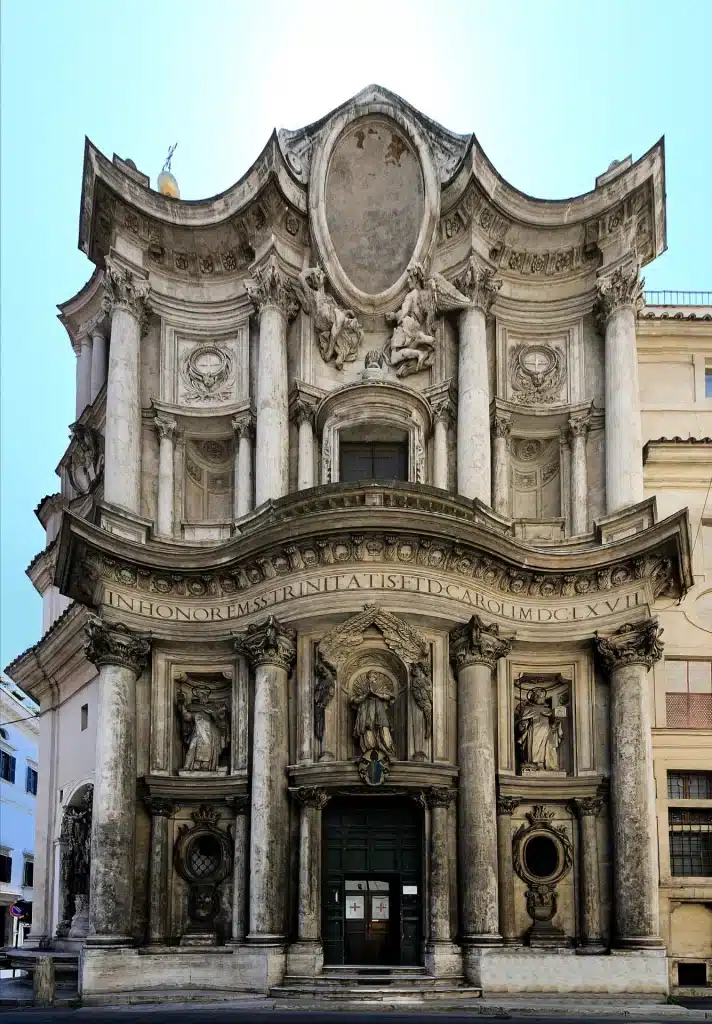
[553,90]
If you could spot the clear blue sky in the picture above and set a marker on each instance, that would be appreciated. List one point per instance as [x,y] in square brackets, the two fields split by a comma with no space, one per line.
[554,91]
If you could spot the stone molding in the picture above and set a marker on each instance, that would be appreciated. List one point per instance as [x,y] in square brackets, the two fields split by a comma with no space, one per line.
[475,643]
[631,644]
[479,284]
[243,425]
[311,796]
[507,805]
[115,644]
[125,290]
[159,806]
[624,287]
[268,643]
[271,287]
[165,426]
[439,796]
[586,806]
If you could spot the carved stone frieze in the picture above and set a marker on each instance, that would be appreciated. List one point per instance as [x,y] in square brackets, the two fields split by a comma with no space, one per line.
[268,643]
[537,374]
[624,287]
[475,643]
[400,637]
[86,460]
[632,644]
[125,290]
[115,644]
[272,287]
[473,209]
[479,284]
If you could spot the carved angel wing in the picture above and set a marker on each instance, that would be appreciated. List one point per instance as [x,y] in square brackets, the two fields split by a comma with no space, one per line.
[445,296]
[421,687]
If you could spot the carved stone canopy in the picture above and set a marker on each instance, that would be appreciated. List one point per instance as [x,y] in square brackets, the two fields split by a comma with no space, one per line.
[475,643]
[115,644]
[632,644]
[402,639]
[268,643]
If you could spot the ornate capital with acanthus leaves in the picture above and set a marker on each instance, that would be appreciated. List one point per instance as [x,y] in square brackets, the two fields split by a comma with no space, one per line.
[272,287]
[632,644]
[239,802]
[439,796]
[579,426]
[244,425]
[502,425]
[586,806]
[479,284]
[160,806]
[311,796]
[268,643]
[166,426]
[476,643]
[125,290]
[115,644]
[624,287]
[507,805]
[302,410]
[443,411]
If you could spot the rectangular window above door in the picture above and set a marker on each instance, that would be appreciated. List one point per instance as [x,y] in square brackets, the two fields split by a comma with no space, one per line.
[373,461]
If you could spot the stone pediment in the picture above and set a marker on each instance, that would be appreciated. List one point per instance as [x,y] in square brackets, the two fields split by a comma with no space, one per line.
[400,637]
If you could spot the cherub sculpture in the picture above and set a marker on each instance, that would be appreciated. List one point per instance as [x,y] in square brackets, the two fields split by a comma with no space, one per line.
[338,331]
[411,347]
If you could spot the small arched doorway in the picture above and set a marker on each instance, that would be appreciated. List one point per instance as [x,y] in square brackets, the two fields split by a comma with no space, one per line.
[372,895]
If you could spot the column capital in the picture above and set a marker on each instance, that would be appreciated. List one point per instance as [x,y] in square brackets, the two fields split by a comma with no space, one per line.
[507,805]
[124,289]
[476,643]
[311,796]
[479,284]
[586,806]
[578,426]
[243,425]
[624,287]
[631,644]
[115,644]
[443,410]
[302,410]
[439,796]
[159,806]
[502,425]
[165,425]
[239,802]
[268,643]
[272,287]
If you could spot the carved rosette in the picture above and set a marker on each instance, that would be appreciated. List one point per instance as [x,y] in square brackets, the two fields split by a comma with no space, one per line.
[479,285]
[439,796]
[115,644]
[632,644]
[624,287]
[507,805]
[125,290]
[268,643]
[272,288]
[586,806]
[165,426]
[243,425]
[476,643]
[311,796]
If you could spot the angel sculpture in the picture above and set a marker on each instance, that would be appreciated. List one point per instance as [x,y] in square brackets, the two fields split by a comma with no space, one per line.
[338,331]
[324,689]
[421,686]
[411,347]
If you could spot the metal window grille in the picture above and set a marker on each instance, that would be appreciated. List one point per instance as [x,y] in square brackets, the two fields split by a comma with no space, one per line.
[689,710]
[690,842]
[689,785]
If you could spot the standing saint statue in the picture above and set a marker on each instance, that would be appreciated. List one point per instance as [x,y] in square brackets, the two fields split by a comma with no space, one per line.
[75,834]
[205,728]
[539,732]
[372,696]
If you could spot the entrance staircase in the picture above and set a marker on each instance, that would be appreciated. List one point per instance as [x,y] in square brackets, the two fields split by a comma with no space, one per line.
[363,985]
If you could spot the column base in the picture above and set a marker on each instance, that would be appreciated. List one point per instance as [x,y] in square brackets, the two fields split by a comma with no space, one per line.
[305,957]
[638,942]
[109,941]
[481,940]
[443,959]
[266,939]
[592,947]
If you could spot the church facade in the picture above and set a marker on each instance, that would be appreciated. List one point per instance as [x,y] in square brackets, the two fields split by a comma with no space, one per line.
[374,514]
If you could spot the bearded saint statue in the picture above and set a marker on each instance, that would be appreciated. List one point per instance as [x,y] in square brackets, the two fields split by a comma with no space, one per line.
[372,696]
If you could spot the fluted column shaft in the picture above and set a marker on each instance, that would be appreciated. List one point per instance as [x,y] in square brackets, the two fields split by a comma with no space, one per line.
[439,800]
[506,806]
[166,427]
[271,649]
[578,429]
[628,656]
[501,432]
[586,810]
[98,361]
[474,651]
[126,300]
[160,811]
[120,656]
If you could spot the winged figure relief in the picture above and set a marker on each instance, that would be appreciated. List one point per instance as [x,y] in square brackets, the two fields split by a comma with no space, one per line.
[338,331]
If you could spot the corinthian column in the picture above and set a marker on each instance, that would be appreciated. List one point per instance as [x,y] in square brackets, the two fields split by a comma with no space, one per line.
[473,436]
[620,296]
[275,303]
[121,656]
[270,648]
[125,301]
[578,429]
[586,810]
[244,428]
[627,656]
[166,427]
[475,649]
[443,416]
[501,432]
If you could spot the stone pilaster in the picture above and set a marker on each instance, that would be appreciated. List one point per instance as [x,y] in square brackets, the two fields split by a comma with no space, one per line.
[506,806]
[501,434]
[121,656]
[475,649]
[244,430]
[125,300]
[166,428]
[443,417]
[241,806]
[627,655]
[302,412]
[270,648]
[273,297]
[620,296]
[587,809]
[578,431]
[160,810]
[473,435]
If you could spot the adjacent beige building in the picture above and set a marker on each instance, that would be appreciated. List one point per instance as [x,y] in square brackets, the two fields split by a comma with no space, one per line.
[378,589]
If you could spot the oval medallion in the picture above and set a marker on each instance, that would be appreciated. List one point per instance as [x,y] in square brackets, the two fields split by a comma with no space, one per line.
[375,201]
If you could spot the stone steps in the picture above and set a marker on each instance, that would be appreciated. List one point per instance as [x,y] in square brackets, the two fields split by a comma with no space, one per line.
[377,984]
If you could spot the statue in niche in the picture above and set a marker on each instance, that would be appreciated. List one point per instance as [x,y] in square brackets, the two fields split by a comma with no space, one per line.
[539,731]
[411,347]
[421,686]
[75,870]
[338,331]
[205,730]
[324,689]
[372,696]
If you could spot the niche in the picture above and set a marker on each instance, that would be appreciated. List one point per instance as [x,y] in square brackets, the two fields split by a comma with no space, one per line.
[208,480]
[536,478]
[542,725]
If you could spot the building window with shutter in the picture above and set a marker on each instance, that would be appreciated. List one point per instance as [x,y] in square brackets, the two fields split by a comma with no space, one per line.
[7,766]
[688,696]
[28,872]
[31,780]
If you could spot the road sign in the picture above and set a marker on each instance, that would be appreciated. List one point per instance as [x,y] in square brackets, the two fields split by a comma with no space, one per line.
[16,911]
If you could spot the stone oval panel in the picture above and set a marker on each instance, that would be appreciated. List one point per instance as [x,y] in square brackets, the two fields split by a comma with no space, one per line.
[374,203]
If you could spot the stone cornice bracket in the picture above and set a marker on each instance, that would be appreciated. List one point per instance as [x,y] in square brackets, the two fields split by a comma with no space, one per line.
[507,805]
[272,287]
[502,425]
[268,643]
[479,284]
[243,425]
[311,796]
[624,287]
[115,644]
[160,806]
[439,796]
[125,290]
[586,806]
[165,425]
[632,644]
[475,643]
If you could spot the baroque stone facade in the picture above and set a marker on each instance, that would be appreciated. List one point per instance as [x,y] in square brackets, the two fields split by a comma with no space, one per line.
[353,579]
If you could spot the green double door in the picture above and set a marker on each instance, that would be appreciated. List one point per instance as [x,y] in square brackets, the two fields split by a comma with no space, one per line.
[372,897]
